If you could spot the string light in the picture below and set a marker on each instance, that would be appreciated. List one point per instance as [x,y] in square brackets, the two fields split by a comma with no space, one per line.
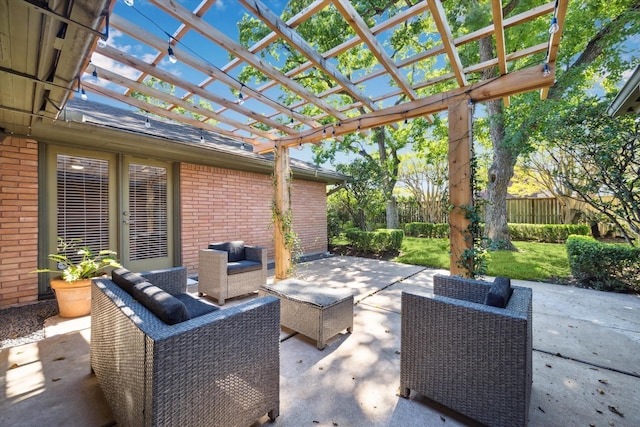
[201,139]
[128,2]
[554,27]
[172,56]
[94,75]
[147,123]
[83,94]
[546,71]
[102,41]
[324,131]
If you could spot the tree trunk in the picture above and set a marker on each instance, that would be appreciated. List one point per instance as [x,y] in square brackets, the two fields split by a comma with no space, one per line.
[501,169]
[392,213]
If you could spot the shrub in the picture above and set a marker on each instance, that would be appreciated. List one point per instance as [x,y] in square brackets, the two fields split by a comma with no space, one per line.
[382,240]
[549,233]
[426,229]
[602,266]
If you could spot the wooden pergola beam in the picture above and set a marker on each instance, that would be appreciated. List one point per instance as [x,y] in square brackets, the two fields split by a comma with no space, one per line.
[440,18]
[350,14]
[513,83]
[130,61]
[187,58]
[236,49]
[178,102]
[496,9]
[166,113]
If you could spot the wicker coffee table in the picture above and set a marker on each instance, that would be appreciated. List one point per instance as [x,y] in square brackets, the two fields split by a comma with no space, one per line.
[314,311]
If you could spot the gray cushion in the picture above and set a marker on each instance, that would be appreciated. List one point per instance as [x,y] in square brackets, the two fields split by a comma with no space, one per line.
[234,249]
[165,306]
[242,267]
[499,293]
[196,307]
[220,246]
[126,279]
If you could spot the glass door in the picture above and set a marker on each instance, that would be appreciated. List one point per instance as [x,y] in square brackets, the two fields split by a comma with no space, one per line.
[145,221]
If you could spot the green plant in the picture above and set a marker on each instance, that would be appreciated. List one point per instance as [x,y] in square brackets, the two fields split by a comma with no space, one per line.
[77,263]
[379,241]
[602,266]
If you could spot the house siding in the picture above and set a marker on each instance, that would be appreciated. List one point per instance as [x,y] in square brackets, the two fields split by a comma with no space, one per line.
[18,221]
[221,204]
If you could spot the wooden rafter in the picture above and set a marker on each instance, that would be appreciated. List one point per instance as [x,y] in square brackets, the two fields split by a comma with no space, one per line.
[520,81]
[440,18]
[236,49]
[360,27]
[295,40]
[496,9]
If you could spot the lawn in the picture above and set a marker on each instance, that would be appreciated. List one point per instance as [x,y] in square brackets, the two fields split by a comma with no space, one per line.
[534,261]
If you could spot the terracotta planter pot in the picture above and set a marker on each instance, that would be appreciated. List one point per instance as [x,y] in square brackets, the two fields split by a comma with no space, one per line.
[74,299]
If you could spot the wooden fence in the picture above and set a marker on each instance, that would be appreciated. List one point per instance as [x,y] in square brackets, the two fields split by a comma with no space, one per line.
[523,211]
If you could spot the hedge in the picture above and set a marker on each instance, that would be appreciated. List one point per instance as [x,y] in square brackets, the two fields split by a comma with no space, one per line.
[381,240]
[604,266]
[549,233]
[426,229]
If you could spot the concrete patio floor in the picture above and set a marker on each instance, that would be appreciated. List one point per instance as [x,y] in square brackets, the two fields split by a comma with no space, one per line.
[586,361]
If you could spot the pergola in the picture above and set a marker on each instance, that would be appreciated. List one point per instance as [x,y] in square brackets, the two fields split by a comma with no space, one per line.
[46,57]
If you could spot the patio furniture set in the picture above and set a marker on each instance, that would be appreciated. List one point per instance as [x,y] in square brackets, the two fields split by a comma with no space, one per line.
[165,357]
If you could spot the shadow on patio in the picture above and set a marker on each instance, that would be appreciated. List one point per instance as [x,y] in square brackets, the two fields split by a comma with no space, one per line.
[585,361]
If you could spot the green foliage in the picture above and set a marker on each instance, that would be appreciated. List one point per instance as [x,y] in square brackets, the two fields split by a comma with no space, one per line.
[426,229]
[77,263]
[550,233]
[533,261]
[379,241]
[602,266]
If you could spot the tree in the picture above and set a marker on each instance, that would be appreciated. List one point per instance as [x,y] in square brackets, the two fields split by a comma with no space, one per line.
[361,195]
[591,28]
[605,154]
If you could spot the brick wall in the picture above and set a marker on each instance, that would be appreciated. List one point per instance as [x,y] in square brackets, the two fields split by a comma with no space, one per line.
[221,204]
[18,220]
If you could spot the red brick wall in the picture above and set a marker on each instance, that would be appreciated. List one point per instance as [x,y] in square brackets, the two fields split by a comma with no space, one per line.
[221,204]
[18,220]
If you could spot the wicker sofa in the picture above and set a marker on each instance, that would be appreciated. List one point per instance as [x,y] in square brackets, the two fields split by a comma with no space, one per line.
[216,369]
[469,356]
[231,269]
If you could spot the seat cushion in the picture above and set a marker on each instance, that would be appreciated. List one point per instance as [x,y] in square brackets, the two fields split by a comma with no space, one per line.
[126,279]
[243,266]
[499,293]
[196,307]
[165,306]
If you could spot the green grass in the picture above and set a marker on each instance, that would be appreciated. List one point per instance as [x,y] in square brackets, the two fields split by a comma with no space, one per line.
[534,261]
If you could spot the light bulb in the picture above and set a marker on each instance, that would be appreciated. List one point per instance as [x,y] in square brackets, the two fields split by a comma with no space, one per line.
[95,76]
[172,57]
[83,94]
[201,139]
[128,2]
[147,123]
[546,71]
[102,43]
[554,27]
[240,98]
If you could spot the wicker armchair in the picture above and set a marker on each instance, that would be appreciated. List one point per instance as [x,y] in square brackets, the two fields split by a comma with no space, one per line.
[199,372]
[231,269]
[473,358]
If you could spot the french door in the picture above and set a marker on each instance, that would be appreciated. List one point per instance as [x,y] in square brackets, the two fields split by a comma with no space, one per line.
[110,201]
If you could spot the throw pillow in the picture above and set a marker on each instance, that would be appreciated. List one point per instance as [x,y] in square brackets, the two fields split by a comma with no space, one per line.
[165,306]
[499,293]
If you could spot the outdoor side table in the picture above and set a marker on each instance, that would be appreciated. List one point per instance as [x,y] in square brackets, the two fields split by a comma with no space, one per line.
[314,311]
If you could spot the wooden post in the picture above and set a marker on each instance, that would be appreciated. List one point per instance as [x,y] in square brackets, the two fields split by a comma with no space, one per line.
[460,192]
[282,171]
